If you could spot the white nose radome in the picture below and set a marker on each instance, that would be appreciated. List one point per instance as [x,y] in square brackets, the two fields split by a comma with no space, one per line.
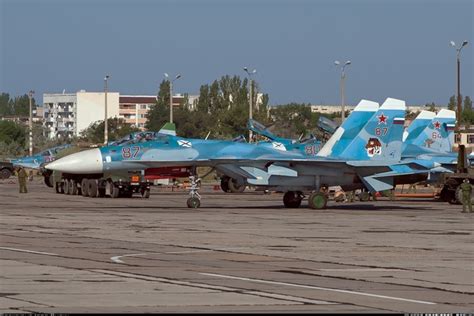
[88,161]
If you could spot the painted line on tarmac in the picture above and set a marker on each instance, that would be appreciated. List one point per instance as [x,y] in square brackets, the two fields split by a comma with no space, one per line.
[187,251]
[288,298]
[317,288]
[116,259]
[360,270]
[30,251]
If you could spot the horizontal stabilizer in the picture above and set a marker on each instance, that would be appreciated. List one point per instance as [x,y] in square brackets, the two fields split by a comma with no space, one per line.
[377,185]
[275,170]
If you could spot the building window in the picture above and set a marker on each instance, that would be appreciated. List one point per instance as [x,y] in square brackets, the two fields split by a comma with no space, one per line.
[470,138]
[457,138]
[143,106]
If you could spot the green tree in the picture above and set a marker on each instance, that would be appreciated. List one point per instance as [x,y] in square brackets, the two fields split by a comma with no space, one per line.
[11,132]
[158,115]
[12,139]
[5,104]
[292,120]
[117,128]
[467,103]
[452,103]
[431,106]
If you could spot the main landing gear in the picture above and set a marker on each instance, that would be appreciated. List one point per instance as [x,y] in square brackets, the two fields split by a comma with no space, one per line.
[316,200]
[292,199]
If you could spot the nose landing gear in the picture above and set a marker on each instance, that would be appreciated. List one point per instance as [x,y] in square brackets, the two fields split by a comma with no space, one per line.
[194,201]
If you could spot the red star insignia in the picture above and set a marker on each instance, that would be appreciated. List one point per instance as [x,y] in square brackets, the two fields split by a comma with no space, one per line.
[437,124]
[382,119]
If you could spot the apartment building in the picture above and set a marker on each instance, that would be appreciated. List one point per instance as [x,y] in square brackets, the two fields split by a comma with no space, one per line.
[134,108]
[67,114]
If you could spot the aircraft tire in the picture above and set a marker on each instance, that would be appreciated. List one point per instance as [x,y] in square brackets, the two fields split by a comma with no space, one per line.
[292,199]
[234,187]
[48,181]
[84,187]
[317,201]
[193,202]
[92,188]
[225,184]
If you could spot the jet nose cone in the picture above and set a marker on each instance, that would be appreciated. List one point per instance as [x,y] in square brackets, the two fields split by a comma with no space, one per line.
[88,161]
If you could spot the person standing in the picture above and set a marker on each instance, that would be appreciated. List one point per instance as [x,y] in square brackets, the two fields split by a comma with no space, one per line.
[466,189]
[22,176]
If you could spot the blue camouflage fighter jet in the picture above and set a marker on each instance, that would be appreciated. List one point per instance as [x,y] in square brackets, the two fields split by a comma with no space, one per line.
[370,159]
[35,161]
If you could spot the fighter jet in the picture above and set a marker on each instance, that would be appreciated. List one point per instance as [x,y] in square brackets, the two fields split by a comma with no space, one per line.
[311,146]
[376,150]
[433,134]
[35,161]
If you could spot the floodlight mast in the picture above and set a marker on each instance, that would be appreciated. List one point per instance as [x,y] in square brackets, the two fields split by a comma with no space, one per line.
[171,93]
[250,96]
[342,86]
[106,129]
[458,75]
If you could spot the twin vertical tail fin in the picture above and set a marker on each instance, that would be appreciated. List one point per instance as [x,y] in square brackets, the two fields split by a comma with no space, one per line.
[381,137]
[438,135]
[349,129]
[417,126]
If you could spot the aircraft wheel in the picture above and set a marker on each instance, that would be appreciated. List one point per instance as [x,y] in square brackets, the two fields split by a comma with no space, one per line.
[234,187]
[145,193]
[364,196]
[72,187]
[48,181]
[193,202]
[317,200]
[92,188]
[225,184]
[84,187]
[292,199]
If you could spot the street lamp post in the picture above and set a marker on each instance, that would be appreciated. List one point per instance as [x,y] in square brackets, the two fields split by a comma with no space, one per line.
[106,131]
[250,73]
[171,94]
[30,96]
[343,77]
[459,107]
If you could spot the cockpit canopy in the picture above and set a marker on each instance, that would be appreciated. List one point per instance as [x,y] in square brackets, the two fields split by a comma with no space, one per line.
[140,137]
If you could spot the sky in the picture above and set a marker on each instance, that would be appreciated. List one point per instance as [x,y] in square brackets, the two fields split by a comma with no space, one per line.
[397,48]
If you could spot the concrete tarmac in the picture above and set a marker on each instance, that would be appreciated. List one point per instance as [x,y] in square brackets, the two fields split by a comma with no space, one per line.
[237,253]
